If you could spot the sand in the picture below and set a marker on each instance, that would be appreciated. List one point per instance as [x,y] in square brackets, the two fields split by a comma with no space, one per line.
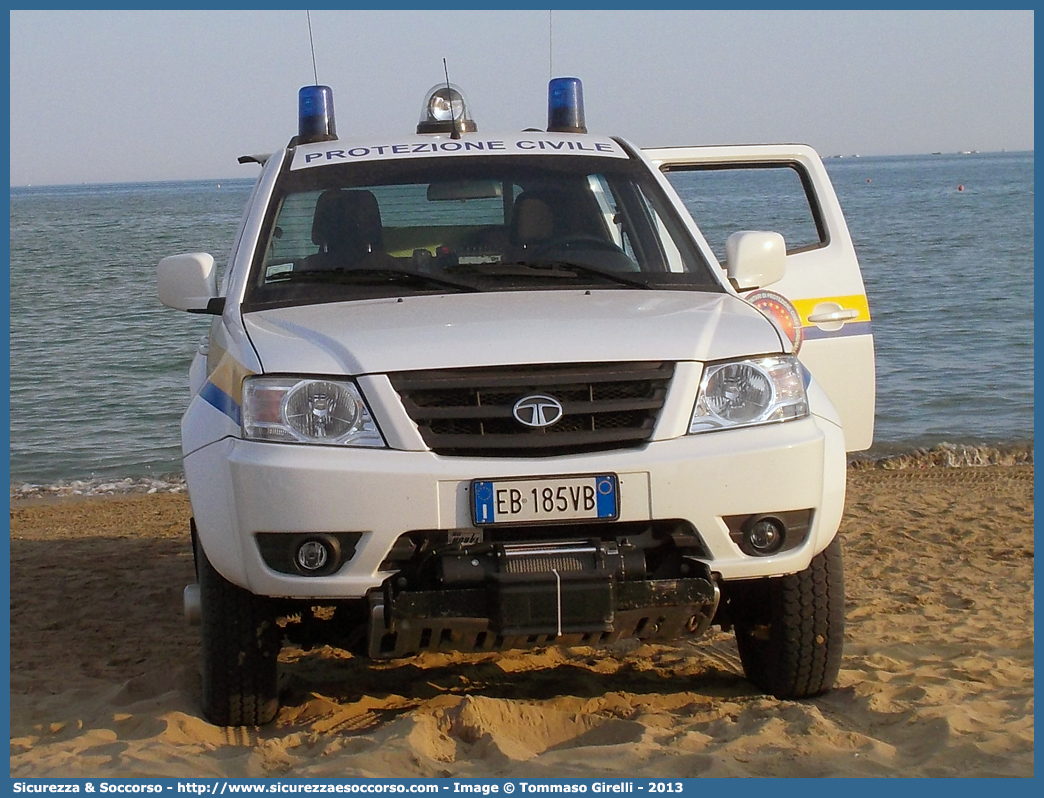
[937,678]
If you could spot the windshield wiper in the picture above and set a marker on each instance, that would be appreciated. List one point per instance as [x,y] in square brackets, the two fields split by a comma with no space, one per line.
[553,268]
[379,276]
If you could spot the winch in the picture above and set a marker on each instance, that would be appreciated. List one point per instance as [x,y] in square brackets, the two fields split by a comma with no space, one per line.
[493,596]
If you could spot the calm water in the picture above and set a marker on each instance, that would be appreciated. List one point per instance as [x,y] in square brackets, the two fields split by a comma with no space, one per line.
[99,367]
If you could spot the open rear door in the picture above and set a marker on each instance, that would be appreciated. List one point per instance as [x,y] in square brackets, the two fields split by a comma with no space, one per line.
[820,301]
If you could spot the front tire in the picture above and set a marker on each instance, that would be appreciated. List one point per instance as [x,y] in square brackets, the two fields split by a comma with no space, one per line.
[240,649]
[790,629]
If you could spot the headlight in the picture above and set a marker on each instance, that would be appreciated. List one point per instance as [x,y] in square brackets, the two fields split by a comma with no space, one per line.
[300,410]
[747,392]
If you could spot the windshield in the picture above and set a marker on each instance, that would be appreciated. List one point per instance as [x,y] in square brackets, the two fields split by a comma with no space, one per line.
[363,231]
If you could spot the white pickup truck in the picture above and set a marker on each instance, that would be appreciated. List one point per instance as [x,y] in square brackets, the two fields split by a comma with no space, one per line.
[477,391]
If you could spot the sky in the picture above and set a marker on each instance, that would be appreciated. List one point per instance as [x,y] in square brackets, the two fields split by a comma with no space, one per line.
[117,96]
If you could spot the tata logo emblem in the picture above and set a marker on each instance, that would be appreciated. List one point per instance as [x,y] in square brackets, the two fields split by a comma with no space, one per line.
[537,411]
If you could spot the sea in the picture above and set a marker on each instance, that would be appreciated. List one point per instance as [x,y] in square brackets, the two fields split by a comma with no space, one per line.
[99,367]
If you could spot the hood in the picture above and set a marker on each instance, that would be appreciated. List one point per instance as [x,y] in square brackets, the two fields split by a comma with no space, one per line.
[503,328]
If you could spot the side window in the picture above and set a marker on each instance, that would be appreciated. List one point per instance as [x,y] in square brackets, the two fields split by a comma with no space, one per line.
[726,199]
[451,203]
[622,227]
[448,213]
[292,235]
[607,206]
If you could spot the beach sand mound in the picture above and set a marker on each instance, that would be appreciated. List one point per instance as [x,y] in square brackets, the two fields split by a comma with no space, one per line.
[937,678]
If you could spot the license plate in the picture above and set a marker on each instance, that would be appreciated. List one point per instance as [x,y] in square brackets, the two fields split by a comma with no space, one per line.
[523,501]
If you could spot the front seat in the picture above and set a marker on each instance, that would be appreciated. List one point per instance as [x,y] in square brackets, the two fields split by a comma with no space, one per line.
[533,224]
[347,229]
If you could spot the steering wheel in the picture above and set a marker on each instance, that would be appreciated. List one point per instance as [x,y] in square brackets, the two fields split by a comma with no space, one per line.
[578,241]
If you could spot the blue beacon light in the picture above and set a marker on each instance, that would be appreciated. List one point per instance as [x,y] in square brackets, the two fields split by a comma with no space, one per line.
[315,115]
[565,106]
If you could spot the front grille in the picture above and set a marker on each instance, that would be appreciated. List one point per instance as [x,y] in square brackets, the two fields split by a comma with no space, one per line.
[468,412]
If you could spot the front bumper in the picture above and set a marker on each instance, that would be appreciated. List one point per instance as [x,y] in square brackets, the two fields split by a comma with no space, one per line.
[240,489]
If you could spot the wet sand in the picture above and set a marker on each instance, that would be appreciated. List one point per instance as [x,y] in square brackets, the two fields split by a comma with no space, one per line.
[937,678]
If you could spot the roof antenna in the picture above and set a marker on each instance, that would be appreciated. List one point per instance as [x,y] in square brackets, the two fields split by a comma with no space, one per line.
[449,96]
[550,45]
[312,45]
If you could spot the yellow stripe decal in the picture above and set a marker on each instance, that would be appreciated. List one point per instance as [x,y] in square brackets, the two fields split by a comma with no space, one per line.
[805,307]
[224,386]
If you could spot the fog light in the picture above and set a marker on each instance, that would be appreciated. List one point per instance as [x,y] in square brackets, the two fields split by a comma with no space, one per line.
[764,535]
[307,553]
[313,555]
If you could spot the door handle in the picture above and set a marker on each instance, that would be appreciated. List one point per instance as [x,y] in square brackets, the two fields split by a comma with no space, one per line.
[841,314]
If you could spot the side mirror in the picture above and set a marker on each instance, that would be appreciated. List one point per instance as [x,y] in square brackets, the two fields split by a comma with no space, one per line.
[189,282]
[754,259]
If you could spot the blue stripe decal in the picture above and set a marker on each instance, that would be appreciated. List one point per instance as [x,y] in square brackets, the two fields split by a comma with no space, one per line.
[213,395]
[483,495]
[606,496]
[850,328]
